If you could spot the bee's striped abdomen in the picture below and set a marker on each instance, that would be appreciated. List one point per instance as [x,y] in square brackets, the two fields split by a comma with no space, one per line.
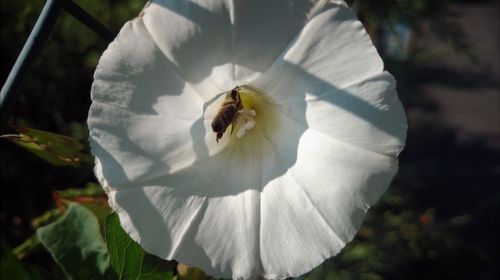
[224,118]
[227,113]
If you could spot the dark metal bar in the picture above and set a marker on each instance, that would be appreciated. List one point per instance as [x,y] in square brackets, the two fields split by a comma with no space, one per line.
[81,15]
[35,42]
[28,55]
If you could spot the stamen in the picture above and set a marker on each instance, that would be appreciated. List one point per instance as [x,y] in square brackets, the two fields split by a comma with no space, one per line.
[245,121]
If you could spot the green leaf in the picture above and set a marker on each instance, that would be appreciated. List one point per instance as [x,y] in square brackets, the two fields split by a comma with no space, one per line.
[128,259]
[76,244]
[90,189]
[54,148]
[10,267]
[92,197]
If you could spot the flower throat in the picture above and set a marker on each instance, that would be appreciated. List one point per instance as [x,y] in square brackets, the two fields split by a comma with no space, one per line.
[236,111]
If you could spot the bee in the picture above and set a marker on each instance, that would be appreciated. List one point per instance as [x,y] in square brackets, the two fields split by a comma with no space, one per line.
[228,113]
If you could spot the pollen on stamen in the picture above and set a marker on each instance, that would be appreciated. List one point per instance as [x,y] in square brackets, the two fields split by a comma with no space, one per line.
[235,113]
[245,121]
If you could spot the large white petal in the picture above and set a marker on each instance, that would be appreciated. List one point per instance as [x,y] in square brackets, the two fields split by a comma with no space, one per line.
[311,212]
[206,215]
[142,112]
[332,80]
[262,31]
[367,114]
[220,43]
[335,48]
[295,188]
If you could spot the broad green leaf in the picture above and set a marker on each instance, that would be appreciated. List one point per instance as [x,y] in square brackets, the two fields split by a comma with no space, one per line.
[92,197]
[76,244]
[54,148]
[10,267]
[128,259]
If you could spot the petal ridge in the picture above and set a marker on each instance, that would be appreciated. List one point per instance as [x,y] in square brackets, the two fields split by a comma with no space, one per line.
[316,210]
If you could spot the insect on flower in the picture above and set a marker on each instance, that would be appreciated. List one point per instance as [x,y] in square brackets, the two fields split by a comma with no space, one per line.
[317,127]
[228,113]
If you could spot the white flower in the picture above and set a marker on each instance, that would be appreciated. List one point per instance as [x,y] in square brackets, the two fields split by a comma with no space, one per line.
[314,144]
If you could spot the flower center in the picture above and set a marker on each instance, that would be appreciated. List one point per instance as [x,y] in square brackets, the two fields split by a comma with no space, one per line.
[237,112]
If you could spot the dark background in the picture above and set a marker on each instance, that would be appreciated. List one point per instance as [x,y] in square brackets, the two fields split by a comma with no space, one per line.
[440,218]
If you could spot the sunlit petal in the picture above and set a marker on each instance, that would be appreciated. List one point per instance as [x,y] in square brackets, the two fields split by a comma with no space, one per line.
[142,111]
[317,130]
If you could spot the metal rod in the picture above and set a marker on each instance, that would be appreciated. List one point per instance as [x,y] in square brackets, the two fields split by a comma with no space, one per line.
[81,15]
[28,55]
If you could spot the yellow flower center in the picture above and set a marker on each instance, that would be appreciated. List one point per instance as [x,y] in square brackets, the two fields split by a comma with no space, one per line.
[242,111]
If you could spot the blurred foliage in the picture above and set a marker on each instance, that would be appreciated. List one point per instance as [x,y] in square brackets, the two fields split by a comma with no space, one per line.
[439,220]
[91,197]
[54,97]
[82,253]
[10,267]
[56,149]
[185,272]
[383,15]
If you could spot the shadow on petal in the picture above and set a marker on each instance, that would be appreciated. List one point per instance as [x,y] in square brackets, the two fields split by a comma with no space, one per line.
[310,84]
[240,37]
[139,162]
[162,236]
[134,74]
[182,206]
